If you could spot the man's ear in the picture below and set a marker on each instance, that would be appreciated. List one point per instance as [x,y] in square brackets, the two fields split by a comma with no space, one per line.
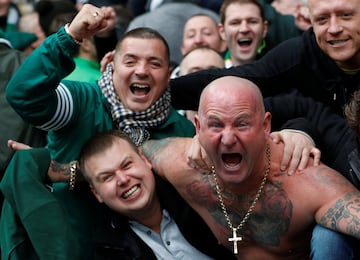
[266,28]
[97,196]
[267,123]
[197,124]
[221,31]
[143,157]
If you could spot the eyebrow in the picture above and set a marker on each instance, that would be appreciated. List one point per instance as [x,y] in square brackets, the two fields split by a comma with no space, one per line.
[107,171]
[133,56]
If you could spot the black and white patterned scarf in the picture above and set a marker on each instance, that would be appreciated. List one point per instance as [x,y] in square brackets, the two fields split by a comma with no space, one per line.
[132,122]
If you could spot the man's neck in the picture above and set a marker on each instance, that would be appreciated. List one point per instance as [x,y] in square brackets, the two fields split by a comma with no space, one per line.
[151,217]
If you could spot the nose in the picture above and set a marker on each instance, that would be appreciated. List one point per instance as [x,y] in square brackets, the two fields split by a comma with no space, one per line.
[228,138]
[199,39]
[244,26]
[141,68]
[121,178]
[334,25]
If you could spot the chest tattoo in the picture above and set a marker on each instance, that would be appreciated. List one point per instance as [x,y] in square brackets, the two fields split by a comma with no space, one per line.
[267,223]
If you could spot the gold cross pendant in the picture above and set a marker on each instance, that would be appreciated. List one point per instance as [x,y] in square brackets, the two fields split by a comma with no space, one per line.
[235,239]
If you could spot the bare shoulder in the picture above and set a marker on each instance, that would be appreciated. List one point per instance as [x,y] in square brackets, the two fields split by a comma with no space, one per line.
[324,175]
[168,155]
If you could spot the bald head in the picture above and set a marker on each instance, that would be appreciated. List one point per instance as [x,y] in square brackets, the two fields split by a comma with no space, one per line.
[201,58]
[231,90]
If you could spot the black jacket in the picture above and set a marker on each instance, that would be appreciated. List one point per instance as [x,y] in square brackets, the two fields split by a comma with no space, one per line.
[333,137]
[114,239]
[297,63]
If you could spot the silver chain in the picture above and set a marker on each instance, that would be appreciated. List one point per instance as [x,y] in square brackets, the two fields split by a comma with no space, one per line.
[257,196]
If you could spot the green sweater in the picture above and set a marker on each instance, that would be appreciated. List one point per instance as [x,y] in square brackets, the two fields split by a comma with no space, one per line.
[72,112]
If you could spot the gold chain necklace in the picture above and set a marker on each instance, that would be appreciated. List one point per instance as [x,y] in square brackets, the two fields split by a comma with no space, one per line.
[235,238]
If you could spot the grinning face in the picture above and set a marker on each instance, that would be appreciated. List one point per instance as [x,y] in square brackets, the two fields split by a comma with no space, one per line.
[233,128]
[201,31]
[243,30]
[336,27]
[141,72]
[123,180]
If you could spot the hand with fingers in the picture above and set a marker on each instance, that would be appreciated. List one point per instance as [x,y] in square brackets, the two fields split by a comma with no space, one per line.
[197,157]
[299,147]
[91,20]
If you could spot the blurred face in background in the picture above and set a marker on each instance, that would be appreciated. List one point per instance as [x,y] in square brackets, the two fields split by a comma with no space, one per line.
[201,31]
[243,29]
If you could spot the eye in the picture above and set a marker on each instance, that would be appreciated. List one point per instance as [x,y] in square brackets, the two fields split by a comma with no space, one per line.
[155,64]
[321,19]
[347,15]
[214,124]
[129,62]
[243,123]
[106,177]
[127,165]
[253,21]
[190,35]
[207,32]
[234,22]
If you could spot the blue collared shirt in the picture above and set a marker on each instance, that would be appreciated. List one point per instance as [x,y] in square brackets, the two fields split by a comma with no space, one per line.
[170,243]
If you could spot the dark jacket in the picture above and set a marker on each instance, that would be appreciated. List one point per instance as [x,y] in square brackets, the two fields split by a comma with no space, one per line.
[114,239]
[12,125]
[297,63]
[33,223]
[333,137]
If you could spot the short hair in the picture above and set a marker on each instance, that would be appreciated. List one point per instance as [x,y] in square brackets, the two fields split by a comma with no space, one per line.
[202,15]
[226,4]
[352,113]
[144,33]
[98,144]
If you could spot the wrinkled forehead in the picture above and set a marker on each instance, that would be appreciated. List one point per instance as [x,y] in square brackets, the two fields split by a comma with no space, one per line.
[142,46]
[230,92]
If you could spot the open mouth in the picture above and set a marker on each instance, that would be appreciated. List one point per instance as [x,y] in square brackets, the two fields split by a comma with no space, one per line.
[337,42]
[244,42]
[131,192]
[231,160]
[138,89]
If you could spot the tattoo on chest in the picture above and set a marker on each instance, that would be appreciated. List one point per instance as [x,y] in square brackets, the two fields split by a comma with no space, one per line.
[267,223]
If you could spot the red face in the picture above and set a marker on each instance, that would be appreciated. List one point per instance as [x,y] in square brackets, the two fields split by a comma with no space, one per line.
[123,180]
[233,129]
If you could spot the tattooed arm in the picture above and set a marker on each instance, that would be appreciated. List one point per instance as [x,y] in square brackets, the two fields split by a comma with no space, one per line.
[344,215]
[340,209]
[168,155]
[60,172]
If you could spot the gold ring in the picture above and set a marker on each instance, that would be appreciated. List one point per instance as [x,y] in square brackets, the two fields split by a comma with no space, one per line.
[96,13]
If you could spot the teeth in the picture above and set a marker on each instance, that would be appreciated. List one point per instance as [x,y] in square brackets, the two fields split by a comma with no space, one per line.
[130,192]
[244,40]
[140,86]
[337,42]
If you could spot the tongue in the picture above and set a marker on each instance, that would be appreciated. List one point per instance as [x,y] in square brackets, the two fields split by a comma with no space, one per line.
[140,91]
[231,159]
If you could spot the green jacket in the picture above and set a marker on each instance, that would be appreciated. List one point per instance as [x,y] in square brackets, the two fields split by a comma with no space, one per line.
[72,112]
[34,215]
